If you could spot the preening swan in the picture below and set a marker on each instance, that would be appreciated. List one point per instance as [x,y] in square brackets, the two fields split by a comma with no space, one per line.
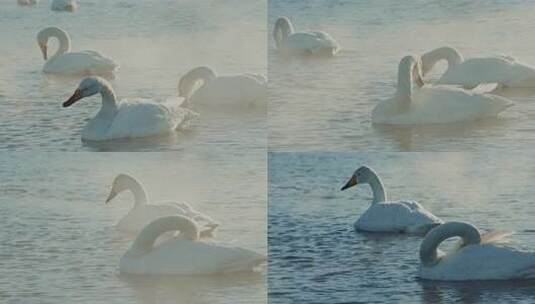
[302,43]
[65,62]
[478,258]
[201,86]
[185,254]
[27,2]
[503,70]
[64,5]
[430,104]
[385,216]
[127,119]
[143,213]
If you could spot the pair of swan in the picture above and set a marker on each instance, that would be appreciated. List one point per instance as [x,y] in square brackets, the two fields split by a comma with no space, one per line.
[65,62]
[479,257]
[302,43]
[434,104]
[186,253]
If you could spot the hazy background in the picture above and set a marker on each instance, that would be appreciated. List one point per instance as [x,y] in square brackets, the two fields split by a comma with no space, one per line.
[155,42]
[315,256]
[325,104]
[59,242]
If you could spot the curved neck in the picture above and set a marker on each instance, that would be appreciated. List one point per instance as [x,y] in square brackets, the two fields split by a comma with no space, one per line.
[283,28]
[190,80]
[406,75]
[379,192]
[109,101]
[429,254]
[140,196]
[146,238]
[63,39]
[451,55]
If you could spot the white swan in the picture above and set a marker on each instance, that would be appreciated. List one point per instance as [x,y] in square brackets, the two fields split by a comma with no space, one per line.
[433,104]
[65,62]
[201,86]
[478,258]
[469,73]
[127,119]
[143,213]
[64,5]
[385,216]
[27,2]
[185,254]
[307,43]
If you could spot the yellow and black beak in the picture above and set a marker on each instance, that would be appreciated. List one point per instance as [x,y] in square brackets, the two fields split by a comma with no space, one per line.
[74,98]
[111,196]
[352,182]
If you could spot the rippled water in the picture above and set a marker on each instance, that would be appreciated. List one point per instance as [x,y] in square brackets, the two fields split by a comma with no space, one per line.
[325,104]
[59,243]
[155,42]
[315,256]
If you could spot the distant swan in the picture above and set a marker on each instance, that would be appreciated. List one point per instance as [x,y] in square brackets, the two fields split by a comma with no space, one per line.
[201,86]
[64,5]
[385,216]
[127,119]
[143,213]
[27,2]
[65,62]
[185,254]
[478,258]
[302,43]
[433,104]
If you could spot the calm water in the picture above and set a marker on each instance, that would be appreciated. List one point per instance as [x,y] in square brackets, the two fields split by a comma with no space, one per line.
[316,257]
[155,42]
[325,104]
[59,243]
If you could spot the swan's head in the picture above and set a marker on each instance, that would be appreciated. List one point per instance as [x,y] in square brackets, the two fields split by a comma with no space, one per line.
[42,40]
[44,35]
[283,28]
[362,175]
[121,183]
[88,87]
[194,79]
[410,65]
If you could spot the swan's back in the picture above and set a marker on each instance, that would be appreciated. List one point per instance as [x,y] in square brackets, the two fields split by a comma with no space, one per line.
[185,257]
[81,63]
[246,89]
[400,216]
[311,42]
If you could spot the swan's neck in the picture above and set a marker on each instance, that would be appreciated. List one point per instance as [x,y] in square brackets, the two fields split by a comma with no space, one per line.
[429,254]
[379,192]
[451,55]
[109,102]
[140,196]
[146,238]
[63,39]
[283,29]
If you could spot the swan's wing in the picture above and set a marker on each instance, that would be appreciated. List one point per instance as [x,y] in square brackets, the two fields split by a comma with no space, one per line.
[83,63]
[232,90]
[475,71]
[312,42]
[485,88]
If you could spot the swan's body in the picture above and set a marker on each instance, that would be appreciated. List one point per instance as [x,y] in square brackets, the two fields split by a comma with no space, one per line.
[389,216]
[503,70]
[144,213]
[27,2]
[65,62]
[64,5]
[185,254]
[476,259]
[302,43]
[434,104]
[201,86]
[128,119]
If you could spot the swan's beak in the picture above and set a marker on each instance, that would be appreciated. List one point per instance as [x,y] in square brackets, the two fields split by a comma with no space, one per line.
[352,182]
[111,196]
[419,81]
[44,51]
[74,98]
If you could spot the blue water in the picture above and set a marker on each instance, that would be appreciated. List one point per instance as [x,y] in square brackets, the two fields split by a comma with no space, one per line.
[325,105]
[315,256]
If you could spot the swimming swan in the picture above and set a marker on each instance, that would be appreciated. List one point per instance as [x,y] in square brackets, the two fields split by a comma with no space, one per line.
[503,70]
[64,5]
[127,119]
[385,216]
[201,86]
[27,2]
[143,213]
[478,258]
[430,104]
[65,62]
[302,43]
[185,254]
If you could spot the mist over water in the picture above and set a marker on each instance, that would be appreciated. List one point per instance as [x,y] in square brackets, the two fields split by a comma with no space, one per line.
[155,42]
[315,256]
[325,105]
[59,240]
